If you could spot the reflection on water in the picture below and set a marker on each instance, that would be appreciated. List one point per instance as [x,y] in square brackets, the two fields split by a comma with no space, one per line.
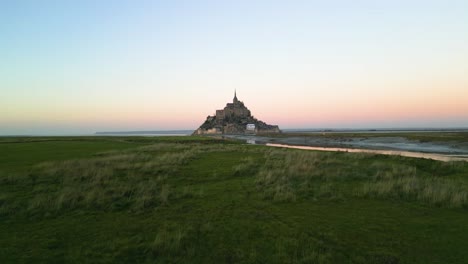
[434,156]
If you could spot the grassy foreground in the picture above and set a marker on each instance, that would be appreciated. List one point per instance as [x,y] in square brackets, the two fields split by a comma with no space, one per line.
[198,200]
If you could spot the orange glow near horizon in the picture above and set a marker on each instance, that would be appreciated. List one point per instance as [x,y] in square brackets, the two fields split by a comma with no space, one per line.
[78,67]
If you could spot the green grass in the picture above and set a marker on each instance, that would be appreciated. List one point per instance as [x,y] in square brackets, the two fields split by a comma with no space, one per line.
[20,153]
[200,200]
[17,156]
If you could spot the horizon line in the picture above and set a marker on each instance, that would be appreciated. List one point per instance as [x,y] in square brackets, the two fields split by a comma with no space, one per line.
[177,131]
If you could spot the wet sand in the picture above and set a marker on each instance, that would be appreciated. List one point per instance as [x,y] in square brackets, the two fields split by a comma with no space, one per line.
[434,156]
[444,151]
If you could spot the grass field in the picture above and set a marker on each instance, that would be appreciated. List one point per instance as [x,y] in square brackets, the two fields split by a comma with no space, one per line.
[200,200]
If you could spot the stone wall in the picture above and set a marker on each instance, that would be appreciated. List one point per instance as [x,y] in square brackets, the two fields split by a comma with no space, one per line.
[220,114]
[233,129]
[236,110]
[210,131]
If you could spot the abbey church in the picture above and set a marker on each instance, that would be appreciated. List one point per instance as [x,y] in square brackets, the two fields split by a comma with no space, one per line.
[235,118]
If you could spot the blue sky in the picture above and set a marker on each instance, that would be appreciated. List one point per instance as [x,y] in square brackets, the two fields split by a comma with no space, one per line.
[84,66]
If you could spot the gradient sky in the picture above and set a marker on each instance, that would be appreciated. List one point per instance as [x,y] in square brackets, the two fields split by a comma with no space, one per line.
[85,66]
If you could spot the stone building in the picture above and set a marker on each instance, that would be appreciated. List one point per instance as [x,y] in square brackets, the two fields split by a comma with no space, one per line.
[236,108]
[234,118]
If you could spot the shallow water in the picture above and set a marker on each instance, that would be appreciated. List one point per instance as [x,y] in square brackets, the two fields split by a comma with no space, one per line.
[433,156]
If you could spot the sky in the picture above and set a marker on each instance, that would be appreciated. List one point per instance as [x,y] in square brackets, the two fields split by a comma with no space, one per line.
[77,67]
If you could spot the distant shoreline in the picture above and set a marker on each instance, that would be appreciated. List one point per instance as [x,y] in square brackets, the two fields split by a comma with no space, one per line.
[373,130]
[297,130]
[161,132]
[290,130]
[409,129]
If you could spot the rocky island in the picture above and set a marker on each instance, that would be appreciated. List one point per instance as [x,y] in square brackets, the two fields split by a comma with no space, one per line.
[235,118]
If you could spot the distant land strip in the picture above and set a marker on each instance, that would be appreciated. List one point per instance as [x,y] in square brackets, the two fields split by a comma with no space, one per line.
[293,130]
[159,132]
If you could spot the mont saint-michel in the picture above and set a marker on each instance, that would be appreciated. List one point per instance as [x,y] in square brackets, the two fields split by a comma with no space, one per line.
[235,118]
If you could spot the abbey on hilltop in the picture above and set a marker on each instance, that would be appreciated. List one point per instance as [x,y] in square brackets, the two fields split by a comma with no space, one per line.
[235,118]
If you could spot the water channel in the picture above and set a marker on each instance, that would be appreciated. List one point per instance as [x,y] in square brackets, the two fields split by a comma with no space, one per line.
[433,156]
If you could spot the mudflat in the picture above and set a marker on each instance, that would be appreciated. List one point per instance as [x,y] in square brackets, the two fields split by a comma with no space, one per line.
[454,143]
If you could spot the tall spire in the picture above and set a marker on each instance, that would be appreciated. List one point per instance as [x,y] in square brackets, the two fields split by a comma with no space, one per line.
[235,96]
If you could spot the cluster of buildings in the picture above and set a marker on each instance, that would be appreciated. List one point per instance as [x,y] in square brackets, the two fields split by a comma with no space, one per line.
[235,118]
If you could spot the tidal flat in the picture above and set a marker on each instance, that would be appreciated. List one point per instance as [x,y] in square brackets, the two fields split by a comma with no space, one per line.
[204,200]
[453,143]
